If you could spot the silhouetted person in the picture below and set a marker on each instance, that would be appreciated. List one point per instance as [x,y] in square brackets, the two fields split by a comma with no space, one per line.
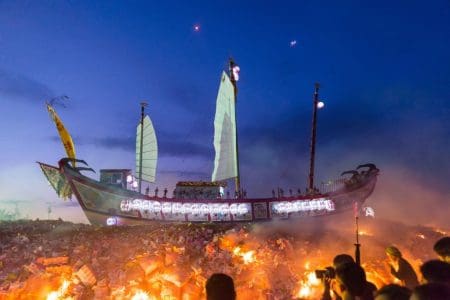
[220,287]
[393,292]
[338,260]
[352,284]
[431,291]
[401,268]
[341,259]
[442,248]
[436,271]
[352,272]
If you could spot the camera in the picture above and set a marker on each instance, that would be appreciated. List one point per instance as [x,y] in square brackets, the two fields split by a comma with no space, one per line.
[328,272]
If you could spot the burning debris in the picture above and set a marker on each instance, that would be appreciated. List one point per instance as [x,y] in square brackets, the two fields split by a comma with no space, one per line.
[59,260]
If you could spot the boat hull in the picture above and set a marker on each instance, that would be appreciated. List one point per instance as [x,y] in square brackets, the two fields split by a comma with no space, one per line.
[109,205]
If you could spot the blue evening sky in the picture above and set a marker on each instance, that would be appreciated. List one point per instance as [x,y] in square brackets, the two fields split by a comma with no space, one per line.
[384,69]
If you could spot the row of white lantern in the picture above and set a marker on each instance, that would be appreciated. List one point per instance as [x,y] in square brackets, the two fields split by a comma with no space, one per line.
[303,205]
[184,208]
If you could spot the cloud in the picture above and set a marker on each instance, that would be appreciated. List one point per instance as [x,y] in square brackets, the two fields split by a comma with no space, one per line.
[20,87]
[167,146]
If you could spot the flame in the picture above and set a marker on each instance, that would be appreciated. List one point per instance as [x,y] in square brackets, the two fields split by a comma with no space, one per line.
[305,292]
[55,295]
[307,265]
[247,256]
[443,232]
[308,286]
[365,232]
[255,263]
[312,279]
[141,295]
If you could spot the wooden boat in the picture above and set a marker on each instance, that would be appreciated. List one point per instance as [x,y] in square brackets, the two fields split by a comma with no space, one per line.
[117,198]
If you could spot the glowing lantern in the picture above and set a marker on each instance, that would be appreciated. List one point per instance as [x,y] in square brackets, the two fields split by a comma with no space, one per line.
[236,71]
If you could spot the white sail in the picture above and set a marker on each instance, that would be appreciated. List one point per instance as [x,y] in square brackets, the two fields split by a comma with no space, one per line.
[225,162]
[149,151]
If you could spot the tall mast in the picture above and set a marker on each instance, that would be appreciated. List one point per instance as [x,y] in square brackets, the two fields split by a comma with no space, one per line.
[313,137]
[232,67]
[143,105]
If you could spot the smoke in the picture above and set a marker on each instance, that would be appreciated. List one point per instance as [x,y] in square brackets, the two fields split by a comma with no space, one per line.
[19,87]
[401,195]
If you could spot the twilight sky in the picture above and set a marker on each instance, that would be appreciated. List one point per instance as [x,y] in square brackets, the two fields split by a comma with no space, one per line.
[384,70]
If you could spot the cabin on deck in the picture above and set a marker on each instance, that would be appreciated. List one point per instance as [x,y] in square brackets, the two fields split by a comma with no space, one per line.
[199,190]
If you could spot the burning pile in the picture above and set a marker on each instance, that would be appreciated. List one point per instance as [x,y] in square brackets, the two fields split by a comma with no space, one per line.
[58,260]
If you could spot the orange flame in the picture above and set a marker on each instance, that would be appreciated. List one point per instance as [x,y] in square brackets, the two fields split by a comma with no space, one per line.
[141,295]
[55,295]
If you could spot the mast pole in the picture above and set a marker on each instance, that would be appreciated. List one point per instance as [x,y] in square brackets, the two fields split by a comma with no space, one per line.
[357,245]
[313,137]
[233,81]
[141,146]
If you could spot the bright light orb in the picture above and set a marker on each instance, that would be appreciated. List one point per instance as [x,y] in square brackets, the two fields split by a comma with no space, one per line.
[236,71]
[111,221]
[293,43]
[196,28]
[320,104]
[129,178]
[135,184]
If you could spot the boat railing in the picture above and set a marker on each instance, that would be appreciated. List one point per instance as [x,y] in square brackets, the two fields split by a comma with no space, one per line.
[330,186]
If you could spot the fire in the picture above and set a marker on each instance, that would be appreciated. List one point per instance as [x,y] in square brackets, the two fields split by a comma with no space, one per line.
[443,232]
[365,232]
[55,295]
[305,292]
[274,264]
[308,287]
[247,256]
[312,279]
[307,265]
[141,295]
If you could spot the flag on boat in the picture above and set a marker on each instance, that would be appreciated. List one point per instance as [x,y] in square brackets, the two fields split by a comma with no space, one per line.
[64,135]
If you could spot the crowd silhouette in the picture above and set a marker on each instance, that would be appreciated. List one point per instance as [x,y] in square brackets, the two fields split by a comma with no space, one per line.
[346,280]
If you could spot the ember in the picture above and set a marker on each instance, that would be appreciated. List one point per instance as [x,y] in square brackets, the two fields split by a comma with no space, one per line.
[61,260]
